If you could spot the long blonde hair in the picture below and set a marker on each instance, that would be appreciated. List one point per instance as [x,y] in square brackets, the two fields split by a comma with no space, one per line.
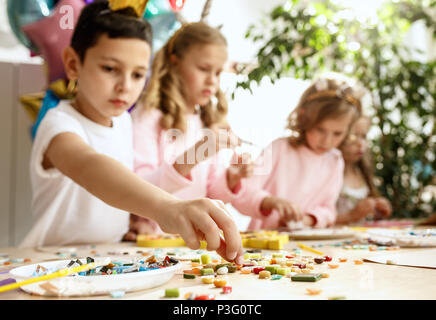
[165,90]
[326,98]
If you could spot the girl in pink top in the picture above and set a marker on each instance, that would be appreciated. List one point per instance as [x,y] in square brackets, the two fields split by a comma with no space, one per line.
[303,173]
[179,125]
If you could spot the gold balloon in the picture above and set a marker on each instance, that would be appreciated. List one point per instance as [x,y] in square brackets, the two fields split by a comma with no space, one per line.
[137,5]
[62,88]
[32,103]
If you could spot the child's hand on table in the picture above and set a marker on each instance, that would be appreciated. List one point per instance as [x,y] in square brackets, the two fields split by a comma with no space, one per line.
[288,211]
[202,219]
[383,208]
[364,208]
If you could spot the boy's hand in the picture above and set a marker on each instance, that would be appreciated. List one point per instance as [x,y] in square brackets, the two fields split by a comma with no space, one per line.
[202,219]
[383,208]
[241,167]
[288,211]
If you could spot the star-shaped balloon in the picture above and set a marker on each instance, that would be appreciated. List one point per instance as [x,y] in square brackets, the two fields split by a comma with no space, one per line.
[137,5]
[52,34]
[32,103]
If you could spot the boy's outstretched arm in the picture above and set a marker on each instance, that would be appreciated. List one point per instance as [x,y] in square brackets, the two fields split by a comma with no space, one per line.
[118,186]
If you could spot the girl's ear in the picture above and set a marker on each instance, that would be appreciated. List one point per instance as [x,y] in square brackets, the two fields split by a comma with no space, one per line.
[71,63]
[174,60]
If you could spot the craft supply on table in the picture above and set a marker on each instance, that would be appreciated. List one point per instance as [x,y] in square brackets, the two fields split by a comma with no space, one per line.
[389,224]
[265,239]
[304,247]
[80,277]
[322,234]
[56,274]
[7,281]
[172,292]
[266,265]
[279,265]
[159,241]
[404,237]
[117,294]
[415,258]
[307,277]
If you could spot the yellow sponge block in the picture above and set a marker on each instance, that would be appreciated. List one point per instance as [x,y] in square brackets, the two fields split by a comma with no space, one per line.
[159,241]
[265,239]
[163,241]
[276,244]
[258,243]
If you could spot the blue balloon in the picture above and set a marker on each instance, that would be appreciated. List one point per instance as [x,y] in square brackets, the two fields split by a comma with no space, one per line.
[50,101]
[164,25]
[23,12]
[156,7]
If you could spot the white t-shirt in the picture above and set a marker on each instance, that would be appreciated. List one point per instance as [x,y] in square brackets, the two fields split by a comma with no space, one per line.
[349,198]
[64,212]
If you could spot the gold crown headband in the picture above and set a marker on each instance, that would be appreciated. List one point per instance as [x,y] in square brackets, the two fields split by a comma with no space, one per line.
[137,5]
[174,37]
[334,94]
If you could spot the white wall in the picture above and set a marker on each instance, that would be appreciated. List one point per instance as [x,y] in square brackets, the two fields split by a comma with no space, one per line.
[15,142]
[235,16]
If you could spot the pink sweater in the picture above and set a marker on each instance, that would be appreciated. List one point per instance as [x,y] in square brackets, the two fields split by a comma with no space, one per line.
[297,174]
[155,154]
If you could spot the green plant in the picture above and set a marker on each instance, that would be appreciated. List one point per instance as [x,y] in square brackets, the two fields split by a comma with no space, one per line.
[301,39]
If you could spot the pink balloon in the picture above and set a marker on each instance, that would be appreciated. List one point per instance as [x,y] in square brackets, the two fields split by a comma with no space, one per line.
[177,5]
[52,34]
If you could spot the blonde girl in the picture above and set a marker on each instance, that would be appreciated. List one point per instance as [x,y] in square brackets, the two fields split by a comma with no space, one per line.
[180,123]
[306,168]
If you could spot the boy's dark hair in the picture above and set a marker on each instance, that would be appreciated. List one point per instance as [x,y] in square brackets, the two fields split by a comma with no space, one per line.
[97,19]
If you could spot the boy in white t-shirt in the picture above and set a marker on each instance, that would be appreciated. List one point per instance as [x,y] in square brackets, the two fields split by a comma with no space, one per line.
[82,157]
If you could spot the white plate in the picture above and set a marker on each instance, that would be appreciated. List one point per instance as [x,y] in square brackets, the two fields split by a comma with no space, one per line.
[93,285]
[403,238]
[321,234]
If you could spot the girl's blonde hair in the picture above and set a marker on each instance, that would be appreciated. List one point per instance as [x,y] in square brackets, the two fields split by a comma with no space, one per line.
[165,90]
[326,98]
